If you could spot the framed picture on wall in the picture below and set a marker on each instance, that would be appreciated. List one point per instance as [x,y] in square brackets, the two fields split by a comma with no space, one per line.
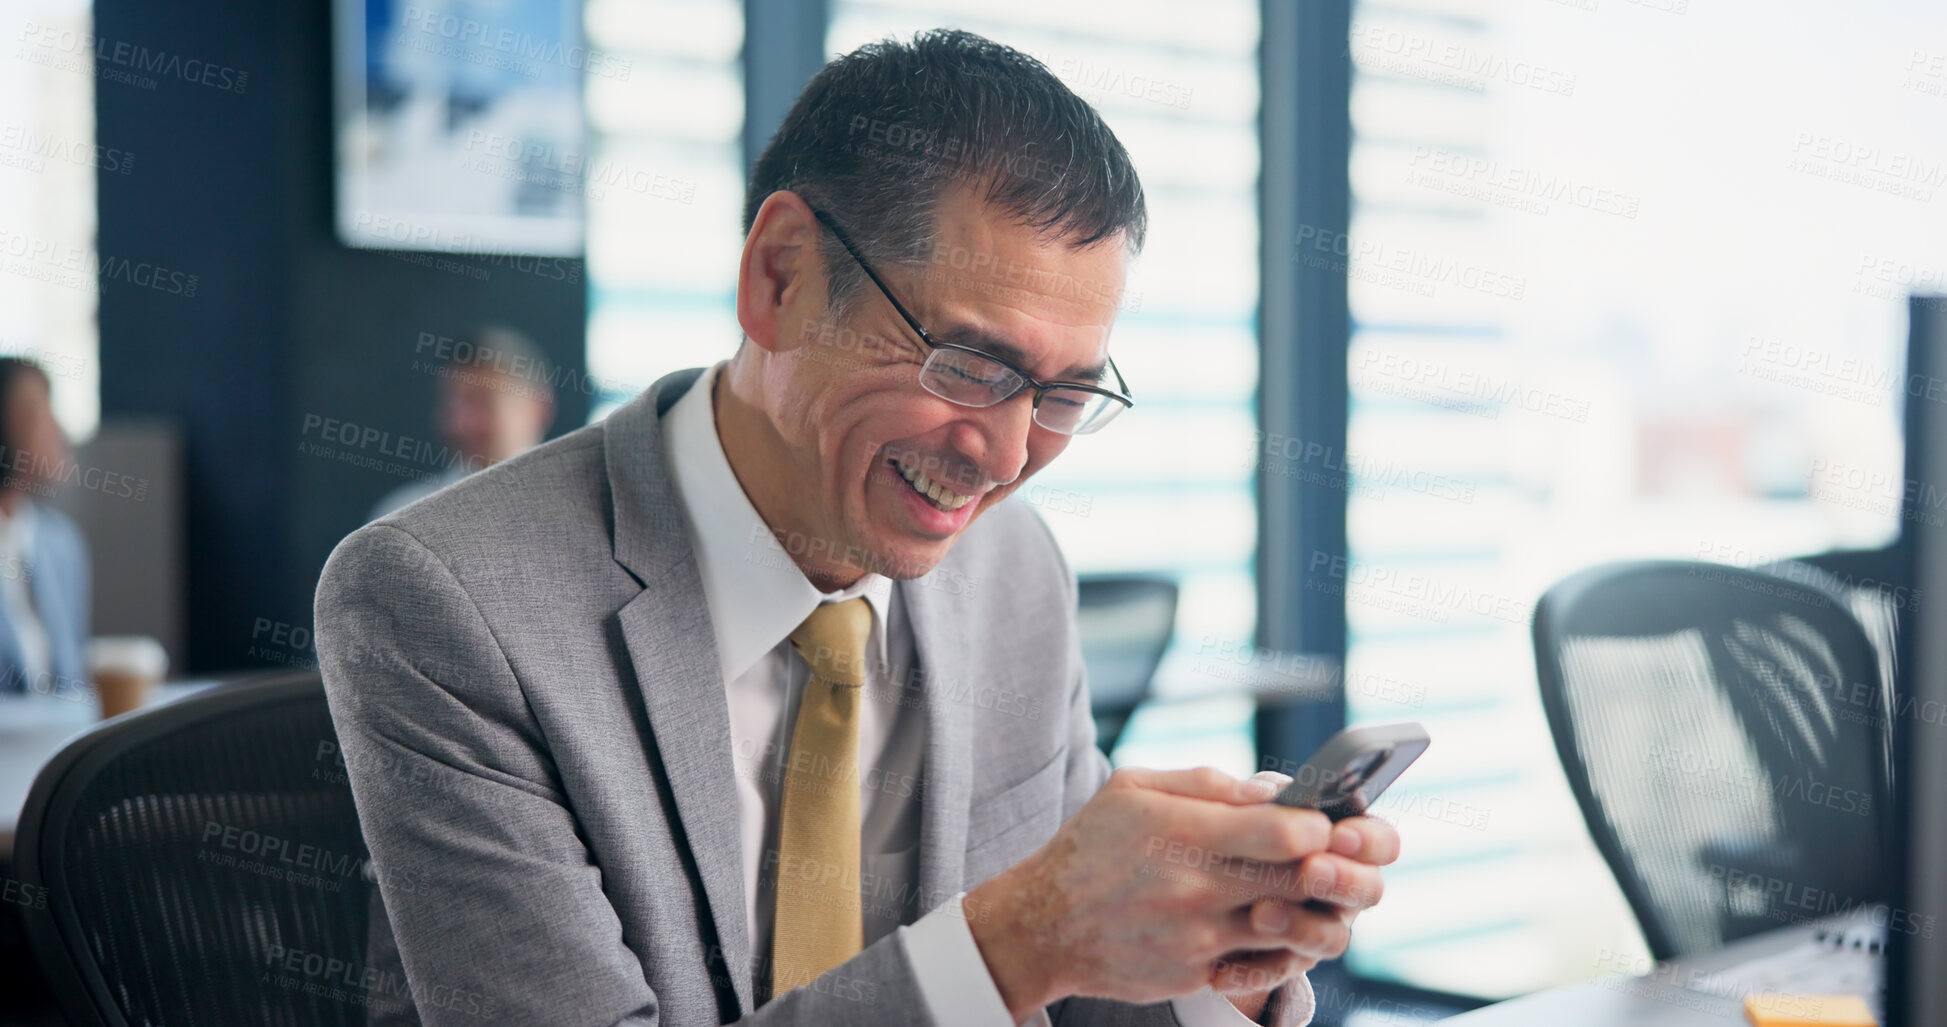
[459,125]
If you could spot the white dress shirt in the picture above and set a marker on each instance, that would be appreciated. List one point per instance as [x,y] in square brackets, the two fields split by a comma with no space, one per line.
[756,597]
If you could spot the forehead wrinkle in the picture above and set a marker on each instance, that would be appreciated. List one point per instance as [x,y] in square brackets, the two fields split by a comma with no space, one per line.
[966,220]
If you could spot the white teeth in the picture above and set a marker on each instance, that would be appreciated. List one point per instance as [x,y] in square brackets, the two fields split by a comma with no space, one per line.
[943,497]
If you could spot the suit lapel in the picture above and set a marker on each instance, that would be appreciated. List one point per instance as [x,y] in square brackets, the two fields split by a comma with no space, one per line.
[946,657]
[667,633]
[670,643]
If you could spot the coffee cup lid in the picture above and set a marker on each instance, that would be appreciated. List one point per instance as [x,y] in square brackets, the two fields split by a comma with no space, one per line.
[135,654]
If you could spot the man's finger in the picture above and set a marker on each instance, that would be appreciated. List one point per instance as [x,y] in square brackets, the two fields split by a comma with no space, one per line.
[1346,883]
[1265,832]
[1280,780]
[1321,879]
[1366,839]
[1207,783]
[1245,973]
[1316,933]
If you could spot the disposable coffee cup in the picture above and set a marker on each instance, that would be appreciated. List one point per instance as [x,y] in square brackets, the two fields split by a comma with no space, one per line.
[126,670]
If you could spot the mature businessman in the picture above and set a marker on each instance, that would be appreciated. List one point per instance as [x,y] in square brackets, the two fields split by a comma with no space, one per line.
[758,701]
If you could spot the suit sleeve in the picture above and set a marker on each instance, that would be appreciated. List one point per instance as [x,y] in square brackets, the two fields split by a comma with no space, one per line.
[490,892]
[495,904]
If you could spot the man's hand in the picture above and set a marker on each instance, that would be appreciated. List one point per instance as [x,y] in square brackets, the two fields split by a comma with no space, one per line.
[1141,894]
[1248,979]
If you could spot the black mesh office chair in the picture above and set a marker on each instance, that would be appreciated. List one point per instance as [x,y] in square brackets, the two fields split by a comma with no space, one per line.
[203,865]
[1125,622]
[1725,733]
[1879,609]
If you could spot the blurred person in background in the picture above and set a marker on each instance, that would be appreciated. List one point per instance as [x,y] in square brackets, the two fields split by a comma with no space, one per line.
[494,403]
[43,557]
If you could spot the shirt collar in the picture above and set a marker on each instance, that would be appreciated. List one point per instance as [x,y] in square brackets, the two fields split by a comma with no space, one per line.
[756,594]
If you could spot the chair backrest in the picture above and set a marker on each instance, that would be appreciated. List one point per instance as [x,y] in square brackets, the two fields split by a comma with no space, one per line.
[202,863]
[1725,734]
[1879,607]
[1125,622]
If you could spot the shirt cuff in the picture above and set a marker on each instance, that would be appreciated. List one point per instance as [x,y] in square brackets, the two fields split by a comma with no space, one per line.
[959,992]
[953,979]
[1206,1008]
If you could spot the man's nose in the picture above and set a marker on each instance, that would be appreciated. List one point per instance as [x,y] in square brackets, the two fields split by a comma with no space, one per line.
[995,438]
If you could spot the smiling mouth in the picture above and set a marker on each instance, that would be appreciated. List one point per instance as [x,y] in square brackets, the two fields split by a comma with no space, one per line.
[937,494]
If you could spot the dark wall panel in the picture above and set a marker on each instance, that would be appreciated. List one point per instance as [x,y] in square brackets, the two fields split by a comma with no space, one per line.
[286,328]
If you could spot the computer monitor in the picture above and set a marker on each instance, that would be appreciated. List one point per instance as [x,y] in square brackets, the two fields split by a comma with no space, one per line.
[1916,990]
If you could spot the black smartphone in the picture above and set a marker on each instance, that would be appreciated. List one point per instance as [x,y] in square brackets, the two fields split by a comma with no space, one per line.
[1348,773]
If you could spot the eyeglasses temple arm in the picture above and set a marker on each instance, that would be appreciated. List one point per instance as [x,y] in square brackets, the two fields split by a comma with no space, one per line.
[1119,383]
[843,240]
[826,220]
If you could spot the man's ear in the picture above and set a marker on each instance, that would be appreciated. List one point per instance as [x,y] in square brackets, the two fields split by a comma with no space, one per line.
[781,270]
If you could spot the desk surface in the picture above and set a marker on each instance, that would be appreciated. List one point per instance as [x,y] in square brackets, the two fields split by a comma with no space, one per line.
[33,728]
[1659,999]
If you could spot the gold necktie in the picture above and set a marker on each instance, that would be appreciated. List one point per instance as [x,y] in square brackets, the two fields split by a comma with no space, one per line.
[818,923]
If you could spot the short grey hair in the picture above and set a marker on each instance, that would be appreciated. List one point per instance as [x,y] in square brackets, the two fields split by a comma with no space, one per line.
[880,133]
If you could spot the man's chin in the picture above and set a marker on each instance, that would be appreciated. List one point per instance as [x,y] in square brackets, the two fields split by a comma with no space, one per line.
[906,541]
[909,558]
[907,566]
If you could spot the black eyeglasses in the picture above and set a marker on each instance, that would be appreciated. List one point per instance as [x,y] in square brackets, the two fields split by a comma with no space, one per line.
[975,379]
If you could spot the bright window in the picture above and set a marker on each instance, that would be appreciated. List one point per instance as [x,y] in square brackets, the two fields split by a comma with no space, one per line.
[48,163]
[662,258]
[1627,280]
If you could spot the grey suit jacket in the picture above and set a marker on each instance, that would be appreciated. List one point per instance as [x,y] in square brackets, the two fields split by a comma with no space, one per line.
[525,685]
